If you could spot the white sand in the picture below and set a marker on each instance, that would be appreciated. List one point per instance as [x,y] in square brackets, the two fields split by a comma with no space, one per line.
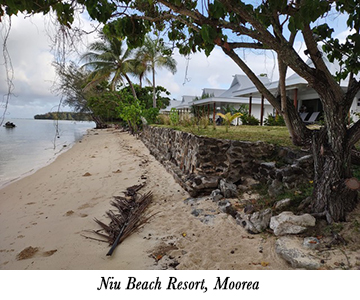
[53,208]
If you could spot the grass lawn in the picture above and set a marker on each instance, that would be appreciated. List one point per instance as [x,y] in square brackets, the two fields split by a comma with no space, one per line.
[278,135]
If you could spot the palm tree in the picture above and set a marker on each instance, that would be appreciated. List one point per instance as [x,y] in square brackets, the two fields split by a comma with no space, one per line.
[109,60]
[154,55]
[228,118]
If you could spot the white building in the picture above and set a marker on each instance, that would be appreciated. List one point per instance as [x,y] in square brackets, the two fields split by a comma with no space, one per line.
[243,91]
[217,99]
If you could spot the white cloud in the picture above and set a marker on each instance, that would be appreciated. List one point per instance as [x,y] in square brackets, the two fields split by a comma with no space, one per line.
[29,47]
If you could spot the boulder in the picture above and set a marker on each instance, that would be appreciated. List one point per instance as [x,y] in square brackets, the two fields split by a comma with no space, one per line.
[256,222]
[228,189]
[289,248]
[288,223]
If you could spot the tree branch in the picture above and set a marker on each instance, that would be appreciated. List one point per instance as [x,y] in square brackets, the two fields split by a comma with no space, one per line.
[247,45]
[316,57]
[353,134]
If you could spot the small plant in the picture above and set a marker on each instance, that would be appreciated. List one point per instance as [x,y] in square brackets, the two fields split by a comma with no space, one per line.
[163,119]
[174,117]
[131,114]
[228,118]
[186,120]
[246,119]
[204,122]
[151,114]
[274,121]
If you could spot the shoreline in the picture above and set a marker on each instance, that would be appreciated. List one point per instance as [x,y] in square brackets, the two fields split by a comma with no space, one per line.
[33,170]
[55,150]
[45,216]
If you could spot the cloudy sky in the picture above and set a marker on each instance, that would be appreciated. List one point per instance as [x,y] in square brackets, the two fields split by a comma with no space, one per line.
[29,46]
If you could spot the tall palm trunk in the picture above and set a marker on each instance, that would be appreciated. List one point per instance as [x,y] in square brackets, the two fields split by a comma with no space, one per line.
[131,86]
[154,90]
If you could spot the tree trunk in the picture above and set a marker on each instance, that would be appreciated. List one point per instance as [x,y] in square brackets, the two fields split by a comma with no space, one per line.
[331,197]
[154,90]
[131,86]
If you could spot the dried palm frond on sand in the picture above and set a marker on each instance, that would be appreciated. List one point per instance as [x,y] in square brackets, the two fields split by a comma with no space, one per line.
[129,217]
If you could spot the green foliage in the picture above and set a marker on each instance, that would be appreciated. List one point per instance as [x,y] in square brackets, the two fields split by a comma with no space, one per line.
[109,60]
[228,118]
[274,135]
[154,55]
[277,120]
[72,116]
[150,114]
[246,119]
[174,117]
[100,10]
[131,113]
[104,104]
[145,95]
[163,120]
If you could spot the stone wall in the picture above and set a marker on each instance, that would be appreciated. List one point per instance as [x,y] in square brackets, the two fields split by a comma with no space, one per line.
[199,163]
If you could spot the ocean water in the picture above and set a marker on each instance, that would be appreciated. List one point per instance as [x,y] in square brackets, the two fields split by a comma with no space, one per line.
[33,144]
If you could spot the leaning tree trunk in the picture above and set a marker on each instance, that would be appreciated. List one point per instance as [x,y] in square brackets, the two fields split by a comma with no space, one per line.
[154,89]
[332,198]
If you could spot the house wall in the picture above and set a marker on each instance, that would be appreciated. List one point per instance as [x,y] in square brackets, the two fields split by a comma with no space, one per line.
[255,111]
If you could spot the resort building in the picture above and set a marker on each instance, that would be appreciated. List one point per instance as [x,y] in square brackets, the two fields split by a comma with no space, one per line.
[243,92]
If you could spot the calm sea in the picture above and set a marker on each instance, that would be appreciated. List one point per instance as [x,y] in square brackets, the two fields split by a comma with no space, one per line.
[33,144]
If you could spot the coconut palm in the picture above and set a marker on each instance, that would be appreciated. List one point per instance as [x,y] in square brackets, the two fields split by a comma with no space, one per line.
[154,55]
[228,118]
[109,60]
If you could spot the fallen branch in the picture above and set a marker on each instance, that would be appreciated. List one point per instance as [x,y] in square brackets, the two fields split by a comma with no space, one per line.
[127,220]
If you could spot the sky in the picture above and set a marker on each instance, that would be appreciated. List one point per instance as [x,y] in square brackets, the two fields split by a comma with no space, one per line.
[29,46]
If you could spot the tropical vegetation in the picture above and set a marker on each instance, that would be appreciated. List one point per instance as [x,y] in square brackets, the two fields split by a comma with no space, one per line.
[274,25]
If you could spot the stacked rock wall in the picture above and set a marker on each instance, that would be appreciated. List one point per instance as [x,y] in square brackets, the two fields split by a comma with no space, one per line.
[198,163]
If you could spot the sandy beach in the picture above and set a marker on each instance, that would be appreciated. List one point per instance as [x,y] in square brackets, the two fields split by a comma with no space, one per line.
[45,216]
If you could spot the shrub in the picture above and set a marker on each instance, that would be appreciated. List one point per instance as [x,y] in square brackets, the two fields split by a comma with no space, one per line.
[151,114]
[163,119]
[246,119]
[274,121]
[186,120]
[174,117]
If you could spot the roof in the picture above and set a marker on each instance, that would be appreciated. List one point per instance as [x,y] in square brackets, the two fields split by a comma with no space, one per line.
[293,81]
[172,104]
[213,92]
[186,101]
[229,96]
[233,100]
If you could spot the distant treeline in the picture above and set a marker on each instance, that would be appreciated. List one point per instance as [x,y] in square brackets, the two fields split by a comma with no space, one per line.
[73,116]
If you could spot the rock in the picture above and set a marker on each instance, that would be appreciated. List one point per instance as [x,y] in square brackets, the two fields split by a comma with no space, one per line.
[197,212]
[268,165]
[208,219]
[288,223]
[282,203]
[276,188]
[289,249]
[228,189]
[225,206]
[311,243]
[249,209]
[194,201]
[256,222]
[216,195]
